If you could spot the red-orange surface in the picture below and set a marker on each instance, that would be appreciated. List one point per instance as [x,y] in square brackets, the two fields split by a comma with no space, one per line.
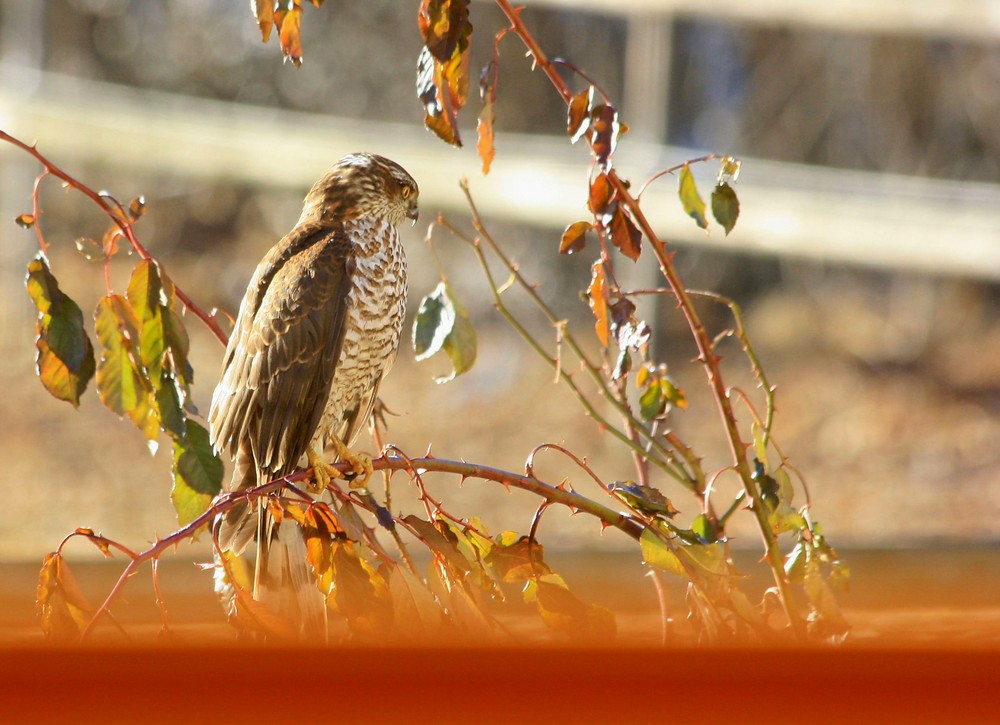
[439,685]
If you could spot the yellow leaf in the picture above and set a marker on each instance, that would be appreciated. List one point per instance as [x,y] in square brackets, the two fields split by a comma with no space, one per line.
[691,200]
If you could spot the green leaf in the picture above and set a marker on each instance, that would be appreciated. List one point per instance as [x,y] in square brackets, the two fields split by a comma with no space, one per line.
[197,473]
[710,557]
[443,324]
[656,552]
[179,345]
[725,206]
[652,404]
[168,406]
[146,296]
[705,529]
[121,383]
[691,200]
[65,357]
[759,442]
[644,498]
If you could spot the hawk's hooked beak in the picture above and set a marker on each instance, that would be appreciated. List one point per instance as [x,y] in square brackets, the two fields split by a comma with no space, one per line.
[413,213]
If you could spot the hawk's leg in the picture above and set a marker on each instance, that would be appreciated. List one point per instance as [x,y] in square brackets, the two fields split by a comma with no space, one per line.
[323,472]
[360,462]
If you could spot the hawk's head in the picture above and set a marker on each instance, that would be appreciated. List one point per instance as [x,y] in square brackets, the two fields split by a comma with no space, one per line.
[361,185]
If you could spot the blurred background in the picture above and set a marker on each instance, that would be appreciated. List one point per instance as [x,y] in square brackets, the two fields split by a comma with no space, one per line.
[866,259]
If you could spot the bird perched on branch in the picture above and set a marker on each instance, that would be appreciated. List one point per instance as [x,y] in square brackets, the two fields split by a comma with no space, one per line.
[316,332]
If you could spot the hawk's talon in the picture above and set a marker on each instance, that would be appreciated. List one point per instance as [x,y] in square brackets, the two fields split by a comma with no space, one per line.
[323,472]
[361,464]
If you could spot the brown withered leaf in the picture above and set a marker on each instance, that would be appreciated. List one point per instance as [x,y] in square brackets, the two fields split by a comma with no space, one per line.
[288,20]
[603,131]
[577,112]
[601,192]
[625,234]
[443,25]
[25,221]
[574,237]
[597,295]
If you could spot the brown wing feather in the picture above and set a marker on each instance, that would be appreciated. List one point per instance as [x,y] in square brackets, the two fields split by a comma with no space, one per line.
[281,360]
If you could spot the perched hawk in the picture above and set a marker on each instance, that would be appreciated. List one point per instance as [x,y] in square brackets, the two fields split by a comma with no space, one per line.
[316,332]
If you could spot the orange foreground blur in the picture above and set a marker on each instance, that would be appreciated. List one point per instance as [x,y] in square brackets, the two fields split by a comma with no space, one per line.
[249,684]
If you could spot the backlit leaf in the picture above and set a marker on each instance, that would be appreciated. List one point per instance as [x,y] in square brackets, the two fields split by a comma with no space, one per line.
[652,404]
[415,611]
[288,21]
[563,611]
[264,12]
[643,498]
[65,355]
[91,249]
[168,406]
[729,170]
[434,536]
[597,295]
[59,602]
[121,383]
[136,208]
[146,296]
[710,557]
[443,324]
[359,592]
[604,130]
[484,128]
[601,192]
[110,240]
[656,552]
[442,24]
[691,200]
[443,80]
[197,473]
[518,561]
[574,237]
[725,206]
[705,529]
[624,233]
[577,112]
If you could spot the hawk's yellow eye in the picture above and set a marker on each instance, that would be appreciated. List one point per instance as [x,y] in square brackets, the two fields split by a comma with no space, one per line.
[406,192]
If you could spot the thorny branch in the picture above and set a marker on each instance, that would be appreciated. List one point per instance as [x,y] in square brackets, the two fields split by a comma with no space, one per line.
[114,213]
